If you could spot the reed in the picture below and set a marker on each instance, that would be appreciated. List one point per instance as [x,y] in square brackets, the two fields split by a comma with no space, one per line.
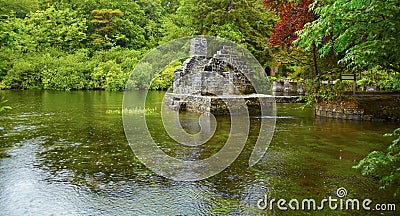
[134,111]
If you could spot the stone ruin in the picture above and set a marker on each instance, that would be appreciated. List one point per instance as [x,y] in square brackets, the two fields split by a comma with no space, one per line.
[213,84]
[223,74]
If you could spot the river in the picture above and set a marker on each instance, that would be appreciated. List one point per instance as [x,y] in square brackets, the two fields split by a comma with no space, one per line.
[65,153]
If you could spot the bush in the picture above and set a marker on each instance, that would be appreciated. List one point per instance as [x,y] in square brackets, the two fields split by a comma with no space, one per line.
[114,72]
[127,58]
[109,76]
[60,70]
[141,76]
[384,80]
[394,82]
[165,78]
[20,71]
[384,166]
[51,70]
[69,72]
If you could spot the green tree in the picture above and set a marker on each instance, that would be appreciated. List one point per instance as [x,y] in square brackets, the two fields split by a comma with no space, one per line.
[364,34]
[13,41]
[141,77]
[20,7]
[105,33]
[130,27]
[243,21]
[13,33]
[61,28]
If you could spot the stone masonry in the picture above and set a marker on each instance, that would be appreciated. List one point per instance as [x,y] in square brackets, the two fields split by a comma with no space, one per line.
[222,74]
[214,84]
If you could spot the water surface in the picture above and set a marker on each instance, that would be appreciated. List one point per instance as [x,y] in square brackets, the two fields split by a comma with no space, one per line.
[66,154]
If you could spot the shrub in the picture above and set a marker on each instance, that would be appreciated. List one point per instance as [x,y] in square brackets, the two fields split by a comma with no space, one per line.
[384,166]
[109,76]
[69,72]
[21,71]
[165,78]
[141,76]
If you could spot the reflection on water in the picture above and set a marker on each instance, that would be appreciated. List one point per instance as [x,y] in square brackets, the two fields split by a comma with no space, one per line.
[66,154]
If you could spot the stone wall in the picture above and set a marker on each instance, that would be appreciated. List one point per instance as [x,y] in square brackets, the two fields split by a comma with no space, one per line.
[220,105]
[383,108]
[228,62]
[198,47]
[338,112]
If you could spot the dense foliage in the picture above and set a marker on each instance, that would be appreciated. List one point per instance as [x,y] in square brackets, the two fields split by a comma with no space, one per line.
[165,78]
[96,44]
[363,33]
[324,39]
[384,165]
[293,16]
[242,21]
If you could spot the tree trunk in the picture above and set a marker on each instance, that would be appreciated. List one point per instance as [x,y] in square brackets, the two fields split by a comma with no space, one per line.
[315,61]
[316,81]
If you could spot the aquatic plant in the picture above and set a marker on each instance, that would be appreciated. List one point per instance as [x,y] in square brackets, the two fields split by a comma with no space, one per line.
[134,111]
[3,101]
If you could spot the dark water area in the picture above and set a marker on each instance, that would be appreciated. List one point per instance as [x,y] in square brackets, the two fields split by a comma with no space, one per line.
[65,153]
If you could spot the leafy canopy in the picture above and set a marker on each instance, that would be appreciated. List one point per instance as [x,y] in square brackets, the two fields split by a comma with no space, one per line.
[293,15]
[363,33]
